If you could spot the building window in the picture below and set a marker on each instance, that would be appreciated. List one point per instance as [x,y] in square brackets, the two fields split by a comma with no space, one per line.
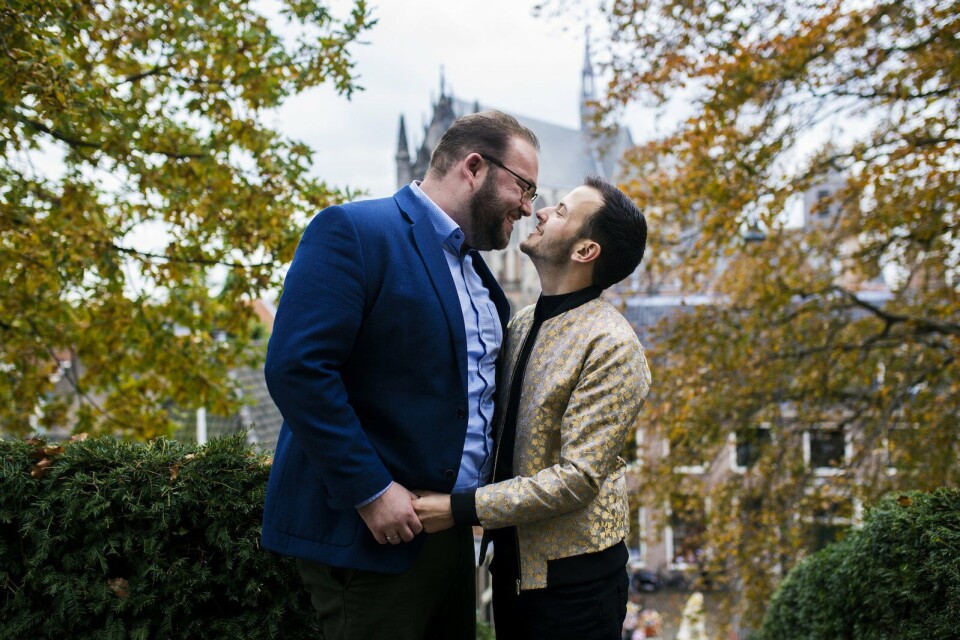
[830,520]
[823,210]
[684,535]
[641,560]
[746,446]
[826,449]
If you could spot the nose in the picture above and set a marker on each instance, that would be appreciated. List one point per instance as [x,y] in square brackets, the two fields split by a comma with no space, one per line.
[526,208]
[542,214]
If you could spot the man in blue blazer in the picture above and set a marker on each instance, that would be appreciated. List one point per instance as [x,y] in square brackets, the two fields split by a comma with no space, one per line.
[382,363]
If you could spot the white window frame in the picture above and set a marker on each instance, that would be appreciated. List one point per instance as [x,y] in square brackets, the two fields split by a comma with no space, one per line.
[856,516]
[668,541]
[641,439]
[642,537]
[847,451]
[732,440]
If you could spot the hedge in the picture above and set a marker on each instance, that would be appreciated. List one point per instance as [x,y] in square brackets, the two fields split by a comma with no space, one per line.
[898,576]
[107,539]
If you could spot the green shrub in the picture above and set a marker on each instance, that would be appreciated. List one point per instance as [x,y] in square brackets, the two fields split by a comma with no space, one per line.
[898,576]
[106,539]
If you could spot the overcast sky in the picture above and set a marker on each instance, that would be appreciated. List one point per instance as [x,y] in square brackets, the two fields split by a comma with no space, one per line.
[496,52]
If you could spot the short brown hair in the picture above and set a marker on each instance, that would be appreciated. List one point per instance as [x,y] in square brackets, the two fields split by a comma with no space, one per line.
[487,132]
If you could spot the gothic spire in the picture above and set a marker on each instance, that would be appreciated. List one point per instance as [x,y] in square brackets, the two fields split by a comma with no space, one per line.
[403,150]
[587,92]
[404,166]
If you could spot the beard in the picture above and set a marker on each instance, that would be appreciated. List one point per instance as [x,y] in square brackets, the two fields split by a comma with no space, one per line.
[548,251]
[488,212]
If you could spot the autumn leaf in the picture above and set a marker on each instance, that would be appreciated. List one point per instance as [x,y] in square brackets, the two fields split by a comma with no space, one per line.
[120,587]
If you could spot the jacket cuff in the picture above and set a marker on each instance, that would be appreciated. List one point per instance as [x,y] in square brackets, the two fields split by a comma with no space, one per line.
[464,507]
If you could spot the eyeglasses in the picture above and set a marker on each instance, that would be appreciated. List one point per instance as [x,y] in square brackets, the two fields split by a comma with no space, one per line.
[529,192]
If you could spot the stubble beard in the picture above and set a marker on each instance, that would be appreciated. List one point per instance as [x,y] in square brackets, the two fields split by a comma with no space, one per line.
[547,252]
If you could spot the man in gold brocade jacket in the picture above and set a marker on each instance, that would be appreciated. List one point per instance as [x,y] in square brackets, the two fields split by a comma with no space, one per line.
[572,380]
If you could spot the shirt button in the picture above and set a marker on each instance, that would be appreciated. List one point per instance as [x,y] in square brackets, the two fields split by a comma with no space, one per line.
[461,413]
[450,474]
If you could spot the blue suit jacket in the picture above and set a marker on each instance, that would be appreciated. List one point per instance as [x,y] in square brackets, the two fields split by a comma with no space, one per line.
[368,365]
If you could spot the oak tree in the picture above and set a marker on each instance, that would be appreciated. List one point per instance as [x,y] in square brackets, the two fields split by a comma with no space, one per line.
[841,330]
[143,201]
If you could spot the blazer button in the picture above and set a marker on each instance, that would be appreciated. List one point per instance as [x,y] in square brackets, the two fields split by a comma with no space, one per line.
[450,474]
[461,413]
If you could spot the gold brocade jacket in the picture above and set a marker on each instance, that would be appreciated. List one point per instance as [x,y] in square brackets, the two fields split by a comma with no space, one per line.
[585,382]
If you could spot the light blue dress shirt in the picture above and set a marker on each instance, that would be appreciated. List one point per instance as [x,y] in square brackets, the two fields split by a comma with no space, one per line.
[484,337]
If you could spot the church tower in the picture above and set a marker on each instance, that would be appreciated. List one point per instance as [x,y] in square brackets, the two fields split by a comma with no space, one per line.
[587,88]
[443,117]
[404,169]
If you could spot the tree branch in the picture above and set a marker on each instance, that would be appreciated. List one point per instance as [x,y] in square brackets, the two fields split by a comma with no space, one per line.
[157,70]
[180,260]
[890,94]
[926,325]
[86,144]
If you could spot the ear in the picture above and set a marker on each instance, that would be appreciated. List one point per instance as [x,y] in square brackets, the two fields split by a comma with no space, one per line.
[585,251]
[472,168]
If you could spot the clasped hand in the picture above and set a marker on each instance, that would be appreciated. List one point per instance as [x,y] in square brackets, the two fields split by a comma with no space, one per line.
[434,511]
[400,514]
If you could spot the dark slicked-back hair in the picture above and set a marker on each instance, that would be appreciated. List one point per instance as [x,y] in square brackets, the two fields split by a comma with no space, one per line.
[620,229]
[486,132]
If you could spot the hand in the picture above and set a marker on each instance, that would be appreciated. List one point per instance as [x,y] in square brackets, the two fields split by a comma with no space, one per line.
[391,517]
[434,511]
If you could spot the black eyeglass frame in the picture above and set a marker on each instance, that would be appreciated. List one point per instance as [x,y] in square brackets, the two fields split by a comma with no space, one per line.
[530,193]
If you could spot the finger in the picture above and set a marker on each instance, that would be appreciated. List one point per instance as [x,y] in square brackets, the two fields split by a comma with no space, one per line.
[415,526]
[406,534]
[395,538]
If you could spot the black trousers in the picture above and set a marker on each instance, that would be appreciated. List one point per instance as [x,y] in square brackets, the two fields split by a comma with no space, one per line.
[585,611]
[434,600]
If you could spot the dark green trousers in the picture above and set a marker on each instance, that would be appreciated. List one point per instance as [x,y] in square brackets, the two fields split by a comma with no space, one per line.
[434,600]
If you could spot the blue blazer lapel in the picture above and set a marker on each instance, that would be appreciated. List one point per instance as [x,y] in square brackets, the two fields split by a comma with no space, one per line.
[425,240]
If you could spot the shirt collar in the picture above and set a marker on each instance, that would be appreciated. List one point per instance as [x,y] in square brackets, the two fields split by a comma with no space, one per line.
[448,232]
